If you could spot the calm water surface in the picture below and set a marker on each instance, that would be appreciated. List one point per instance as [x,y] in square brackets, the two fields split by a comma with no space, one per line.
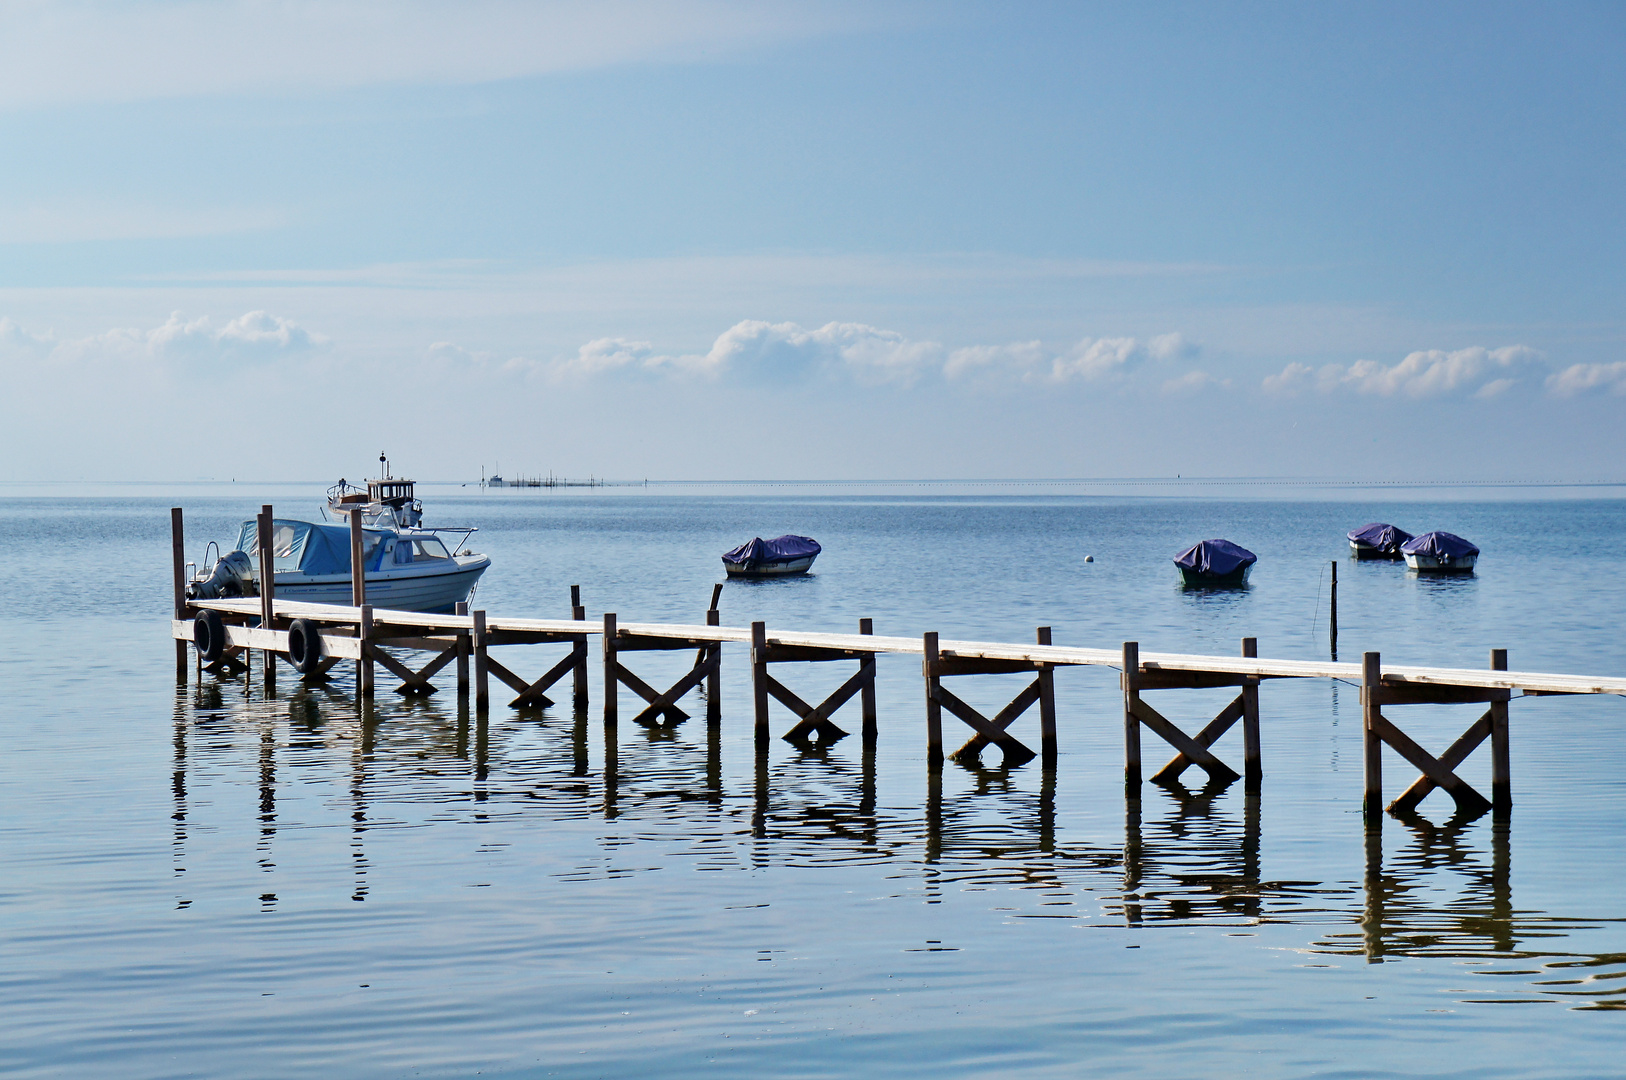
[215,881]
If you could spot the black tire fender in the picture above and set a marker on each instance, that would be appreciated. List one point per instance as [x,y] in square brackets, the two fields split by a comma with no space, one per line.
[304,646]
[209,635]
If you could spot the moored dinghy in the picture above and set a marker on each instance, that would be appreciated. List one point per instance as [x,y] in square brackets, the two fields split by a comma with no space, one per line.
[1440,553]
[1215,564]
[1378,541]
[779,557]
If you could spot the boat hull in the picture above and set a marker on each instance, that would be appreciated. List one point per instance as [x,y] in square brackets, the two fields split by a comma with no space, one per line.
[1429,564]
[434,591]
[1196,579]
[778,568]
[1364,552]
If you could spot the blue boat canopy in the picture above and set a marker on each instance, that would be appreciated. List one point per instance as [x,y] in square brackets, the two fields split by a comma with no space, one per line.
[1217,557]
[1439,545]
[308,547]
[778,549]
[1381,536]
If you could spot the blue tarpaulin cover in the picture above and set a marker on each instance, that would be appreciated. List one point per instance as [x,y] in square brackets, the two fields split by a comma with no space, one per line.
[308,547]
[1439,545]
[1217,557]
[1381,536]
[779,549]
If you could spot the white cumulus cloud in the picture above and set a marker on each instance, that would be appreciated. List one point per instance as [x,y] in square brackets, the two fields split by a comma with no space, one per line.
[253,336]
[1476,371]
[1588,378]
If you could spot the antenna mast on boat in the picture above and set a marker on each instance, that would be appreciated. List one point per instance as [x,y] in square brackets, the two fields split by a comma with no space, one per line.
[384,463]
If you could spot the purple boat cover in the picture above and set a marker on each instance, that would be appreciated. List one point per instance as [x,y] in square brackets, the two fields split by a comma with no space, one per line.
[1381,536]
[1217,557]
[779,549]
[1439,545]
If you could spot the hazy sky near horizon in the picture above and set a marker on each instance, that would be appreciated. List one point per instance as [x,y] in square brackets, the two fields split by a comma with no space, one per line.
[737,240]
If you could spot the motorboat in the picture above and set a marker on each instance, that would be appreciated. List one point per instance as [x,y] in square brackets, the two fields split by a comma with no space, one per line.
[1378,541]
[780,557]
[406,566]
[1440,553]
[1215,564]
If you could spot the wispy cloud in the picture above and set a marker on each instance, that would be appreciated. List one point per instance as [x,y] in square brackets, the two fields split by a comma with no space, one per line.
[254,336]
[100,50]
[1477,372]
[1087,360]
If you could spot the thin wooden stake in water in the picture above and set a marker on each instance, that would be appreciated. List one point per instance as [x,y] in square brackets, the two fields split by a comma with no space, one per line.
[1332,613]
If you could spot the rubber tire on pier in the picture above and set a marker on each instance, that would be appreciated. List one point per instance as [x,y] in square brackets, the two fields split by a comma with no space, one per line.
[209,635]
[305,646]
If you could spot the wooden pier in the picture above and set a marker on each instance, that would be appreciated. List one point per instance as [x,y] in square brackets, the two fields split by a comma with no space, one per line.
[312,638]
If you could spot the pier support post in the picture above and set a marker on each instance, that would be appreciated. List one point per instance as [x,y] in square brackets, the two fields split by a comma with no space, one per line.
[759,681]
[482,679]
[1332,613]
[612,681]
[177,544]
[1371,741]
[1047,706]
[1253,769]
[358,568]
[1131,687]
[364,666]
[934,708]
[579,614]
[268,593]
[714,669]
[1501,764]
[463,650]
[866,696]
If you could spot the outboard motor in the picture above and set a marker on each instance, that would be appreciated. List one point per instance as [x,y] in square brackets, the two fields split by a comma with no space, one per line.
[233,576]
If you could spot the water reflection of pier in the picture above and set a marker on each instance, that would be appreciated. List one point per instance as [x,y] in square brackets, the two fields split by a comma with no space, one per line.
[1187,855]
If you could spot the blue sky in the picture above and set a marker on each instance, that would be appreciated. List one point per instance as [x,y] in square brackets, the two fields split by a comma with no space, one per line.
[742,241]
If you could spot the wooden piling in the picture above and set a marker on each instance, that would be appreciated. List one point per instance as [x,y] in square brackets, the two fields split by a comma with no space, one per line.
[1131,687]
[866,696]
[358,571]
[364,666]
[612,677]
[1501,765]
[579,614]
[1047,706]
[177,544]
[268,592]
[1332,612]
[1253,766]
[934,708]
[482,680]
[759,682]
[714,667]
[463,649]
[1371,742]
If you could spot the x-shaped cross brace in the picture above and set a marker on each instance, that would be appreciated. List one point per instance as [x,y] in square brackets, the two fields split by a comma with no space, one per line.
[1437,771]
[818,718]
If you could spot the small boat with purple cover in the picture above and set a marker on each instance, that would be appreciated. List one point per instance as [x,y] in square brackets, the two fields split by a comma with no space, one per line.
[1378,541]
[780,557]
[1215,564]
[1440,553]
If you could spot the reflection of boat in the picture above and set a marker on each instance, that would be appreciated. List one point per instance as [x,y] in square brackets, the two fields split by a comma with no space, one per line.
[1215,564]
[1378,541]
[779,557]
[1440,553]
[407,567]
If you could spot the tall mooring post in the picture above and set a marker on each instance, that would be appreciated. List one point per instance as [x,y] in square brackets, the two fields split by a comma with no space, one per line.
[1371,741]
[177,544]
[1332,613]
[268,592]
